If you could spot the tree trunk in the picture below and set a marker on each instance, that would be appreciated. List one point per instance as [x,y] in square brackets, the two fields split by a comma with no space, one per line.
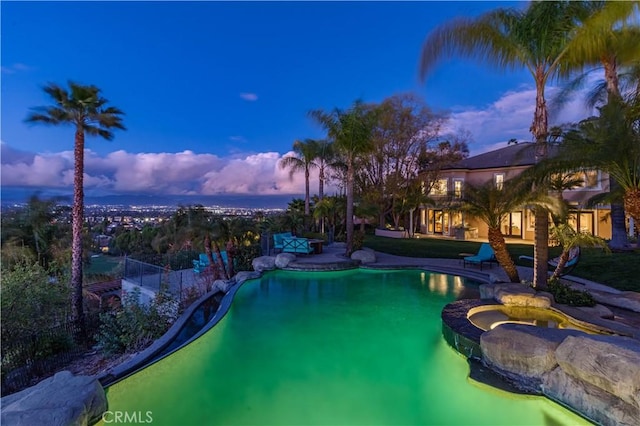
[231,252]
[321,193]
[564,258]
[539,129]
[321,183]
[618,228]
[207,251]
[307,209]
[349,218]
[77,214]
[499,246]
[220,263]
[541,249]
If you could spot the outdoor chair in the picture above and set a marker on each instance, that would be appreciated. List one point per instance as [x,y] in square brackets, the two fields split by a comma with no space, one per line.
[574,257]
[485,255]
[278,244]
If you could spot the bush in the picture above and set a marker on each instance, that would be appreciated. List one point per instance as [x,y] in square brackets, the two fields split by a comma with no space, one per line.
[244,256]
[566,295]
[134,326]
[358,240]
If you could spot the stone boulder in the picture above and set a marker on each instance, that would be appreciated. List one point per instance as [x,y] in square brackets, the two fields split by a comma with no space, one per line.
[63,399]
[283,259]
[264,263]
[364,256]
[627,299]
[514,294]
[223,285]
[610,363]
[601,406]
[242,276]
[523,351]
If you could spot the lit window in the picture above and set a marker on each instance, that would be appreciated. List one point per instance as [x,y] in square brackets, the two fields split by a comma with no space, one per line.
[457,188]
[440,187]
[498,180]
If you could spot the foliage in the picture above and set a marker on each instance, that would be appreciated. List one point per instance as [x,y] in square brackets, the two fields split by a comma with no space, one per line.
[564,294]
[405,133]
[135,325]
[31,300]
[244,257]
[350,132]
[358,240]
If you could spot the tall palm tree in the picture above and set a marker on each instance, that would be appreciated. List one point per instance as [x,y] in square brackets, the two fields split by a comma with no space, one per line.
[306,153]
[608,37]
[589,145]
[350,132]
[84,108]
[536,39]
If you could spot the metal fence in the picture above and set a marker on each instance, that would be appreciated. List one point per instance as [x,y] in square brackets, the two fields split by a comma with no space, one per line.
[155,277]
[28,359]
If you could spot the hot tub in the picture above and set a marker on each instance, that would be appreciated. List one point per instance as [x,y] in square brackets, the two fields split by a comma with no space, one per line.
[488,317]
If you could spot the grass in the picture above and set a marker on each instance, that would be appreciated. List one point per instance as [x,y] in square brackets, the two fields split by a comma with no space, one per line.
[103,268]
[617,270]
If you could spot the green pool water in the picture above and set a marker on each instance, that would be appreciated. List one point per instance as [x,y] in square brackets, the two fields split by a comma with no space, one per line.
[332,348]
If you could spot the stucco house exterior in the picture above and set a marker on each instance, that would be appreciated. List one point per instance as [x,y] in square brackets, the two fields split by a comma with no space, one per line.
[498,166]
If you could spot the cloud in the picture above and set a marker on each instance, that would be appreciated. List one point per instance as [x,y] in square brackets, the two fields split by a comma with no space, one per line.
[237,139]
[510,117]
[252,97]
[154,173]
[14,68]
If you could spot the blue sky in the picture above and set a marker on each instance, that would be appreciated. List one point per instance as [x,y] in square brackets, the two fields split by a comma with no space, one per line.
[215,93]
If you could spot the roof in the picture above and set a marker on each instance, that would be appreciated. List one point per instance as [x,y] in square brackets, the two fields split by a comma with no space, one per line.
[521,154]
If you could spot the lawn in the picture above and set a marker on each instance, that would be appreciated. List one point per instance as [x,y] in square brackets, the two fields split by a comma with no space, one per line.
[103,268]
[617,270]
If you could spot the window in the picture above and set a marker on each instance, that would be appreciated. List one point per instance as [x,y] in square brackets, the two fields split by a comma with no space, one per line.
[440,187]
[588,179]
[498,180]
[457,188]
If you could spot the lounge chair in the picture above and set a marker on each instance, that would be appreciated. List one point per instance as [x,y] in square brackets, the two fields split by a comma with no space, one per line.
[485,255]
[574,257]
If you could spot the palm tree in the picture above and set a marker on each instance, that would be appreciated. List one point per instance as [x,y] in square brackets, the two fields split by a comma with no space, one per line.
[492,204]
[84,108]
[589,145]
[536,39]
[307,152]
[350,132]
[606,38]
[569,239]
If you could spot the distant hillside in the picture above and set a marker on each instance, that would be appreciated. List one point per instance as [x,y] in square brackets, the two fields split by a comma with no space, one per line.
[20,195]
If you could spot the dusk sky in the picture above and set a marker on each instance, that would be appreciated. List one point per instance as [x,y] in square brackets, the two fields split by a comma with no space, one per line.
[215,93]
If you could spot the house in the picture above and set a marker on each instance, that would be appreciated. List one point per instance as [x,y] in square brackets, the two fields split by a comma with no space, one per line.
[499,166]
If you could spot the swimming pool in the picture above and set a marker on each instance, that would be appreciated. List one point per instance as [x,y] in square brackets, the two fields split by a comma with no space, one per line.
[350,348]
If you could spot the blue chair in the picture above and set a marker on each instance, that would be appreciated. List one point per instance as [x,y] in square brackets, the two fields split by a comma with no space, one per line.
[278,243]
[485,255]
[203,261]
[574,257]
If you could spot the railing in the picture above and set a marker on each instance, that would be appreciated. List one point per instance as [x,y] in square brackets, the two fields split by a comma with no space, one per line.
[153,277]
[27,359]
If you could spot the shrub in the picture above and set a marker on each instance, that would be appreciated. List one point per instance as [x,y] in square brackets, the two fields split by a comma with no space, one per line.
[135,325]
[358,240]
[566,295]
